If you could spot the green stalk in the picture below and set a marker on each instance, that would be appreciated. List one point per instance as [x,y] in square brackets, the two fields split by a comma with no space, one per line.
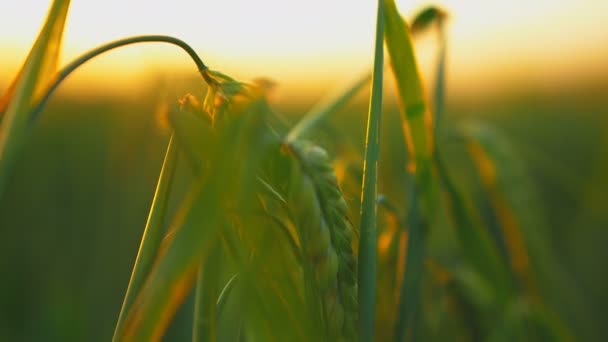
[414,266]
[369,192]
[153,234]
[67,70]
[20,116]
[478,248]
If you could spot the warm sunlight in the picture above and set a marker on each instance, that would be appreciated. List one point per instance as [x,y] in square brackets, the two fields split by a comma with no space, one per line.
[319,41]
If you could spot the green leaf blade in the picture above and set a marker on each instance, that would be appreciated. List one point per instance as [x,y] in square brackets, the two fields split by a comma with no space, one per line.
[35,75]
[207,293]
[476,243]
[369,206]
[413,267]
[417,117]
[153,233]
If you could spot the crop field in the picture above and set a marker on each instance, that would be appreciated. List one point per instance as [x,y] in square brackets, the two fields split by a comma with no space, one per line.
[397,209]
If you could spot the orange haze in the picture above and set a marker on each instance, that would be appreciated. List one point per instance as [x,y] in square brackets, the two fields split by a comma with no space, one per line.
[314,43]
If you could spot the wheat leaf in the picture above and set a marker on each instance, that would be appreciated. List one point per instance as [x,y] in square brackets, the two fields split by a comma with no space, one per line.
[153,233]
[35,75]
[369,191]
[417,118]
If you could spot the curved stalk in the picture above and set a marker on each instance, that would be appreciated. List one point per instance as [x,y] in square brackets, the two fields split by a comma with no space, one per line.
[225,293]
[67,70]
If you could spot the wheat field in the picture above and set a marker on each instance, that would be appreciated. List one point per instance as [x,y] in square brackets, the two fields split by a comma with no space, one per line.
[203,209]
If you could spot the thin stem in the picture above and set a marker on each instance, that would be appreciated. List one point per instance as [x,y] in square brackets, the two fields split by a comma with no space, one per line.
[369,193]
[225,293]
[413,266]
[66,71]
[152,236]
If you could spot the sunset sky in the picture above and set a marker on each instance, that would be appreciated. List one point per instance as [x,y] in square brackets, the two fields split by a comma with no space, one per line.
[316,41]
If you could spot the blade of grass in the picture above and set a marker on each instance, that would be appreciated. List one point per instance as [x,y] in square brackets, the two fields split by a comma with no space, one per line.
[326,108]
[477,245]
[369,193]
[48,66]
[416,116]
[417,127]
[223,297]
[39,66]
[414,267]
[511,235]
[512,196]
[418,131]
[172,276]
[475,241]
[153,233]
[204,327]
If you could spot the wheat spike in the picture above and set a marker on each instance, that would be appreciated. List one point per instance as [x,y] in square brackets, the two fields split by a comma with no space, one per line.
[325,230]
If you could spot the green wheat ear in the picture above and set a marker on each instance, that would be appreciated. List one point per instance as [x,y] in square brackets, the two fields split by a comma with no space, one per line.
[325,231]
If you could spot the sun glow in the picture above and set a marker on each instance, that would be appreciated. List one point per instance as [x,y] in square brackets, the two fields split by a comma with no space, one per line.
[312,42]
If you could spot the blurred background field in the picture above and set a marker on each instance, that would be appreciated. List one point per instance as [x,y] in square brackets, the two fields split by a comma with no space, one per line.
[74,213]
[72,217]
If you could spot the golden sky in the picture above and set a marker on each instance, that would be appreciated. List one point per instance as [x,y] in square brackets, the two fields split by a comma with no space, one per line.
[319,40]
